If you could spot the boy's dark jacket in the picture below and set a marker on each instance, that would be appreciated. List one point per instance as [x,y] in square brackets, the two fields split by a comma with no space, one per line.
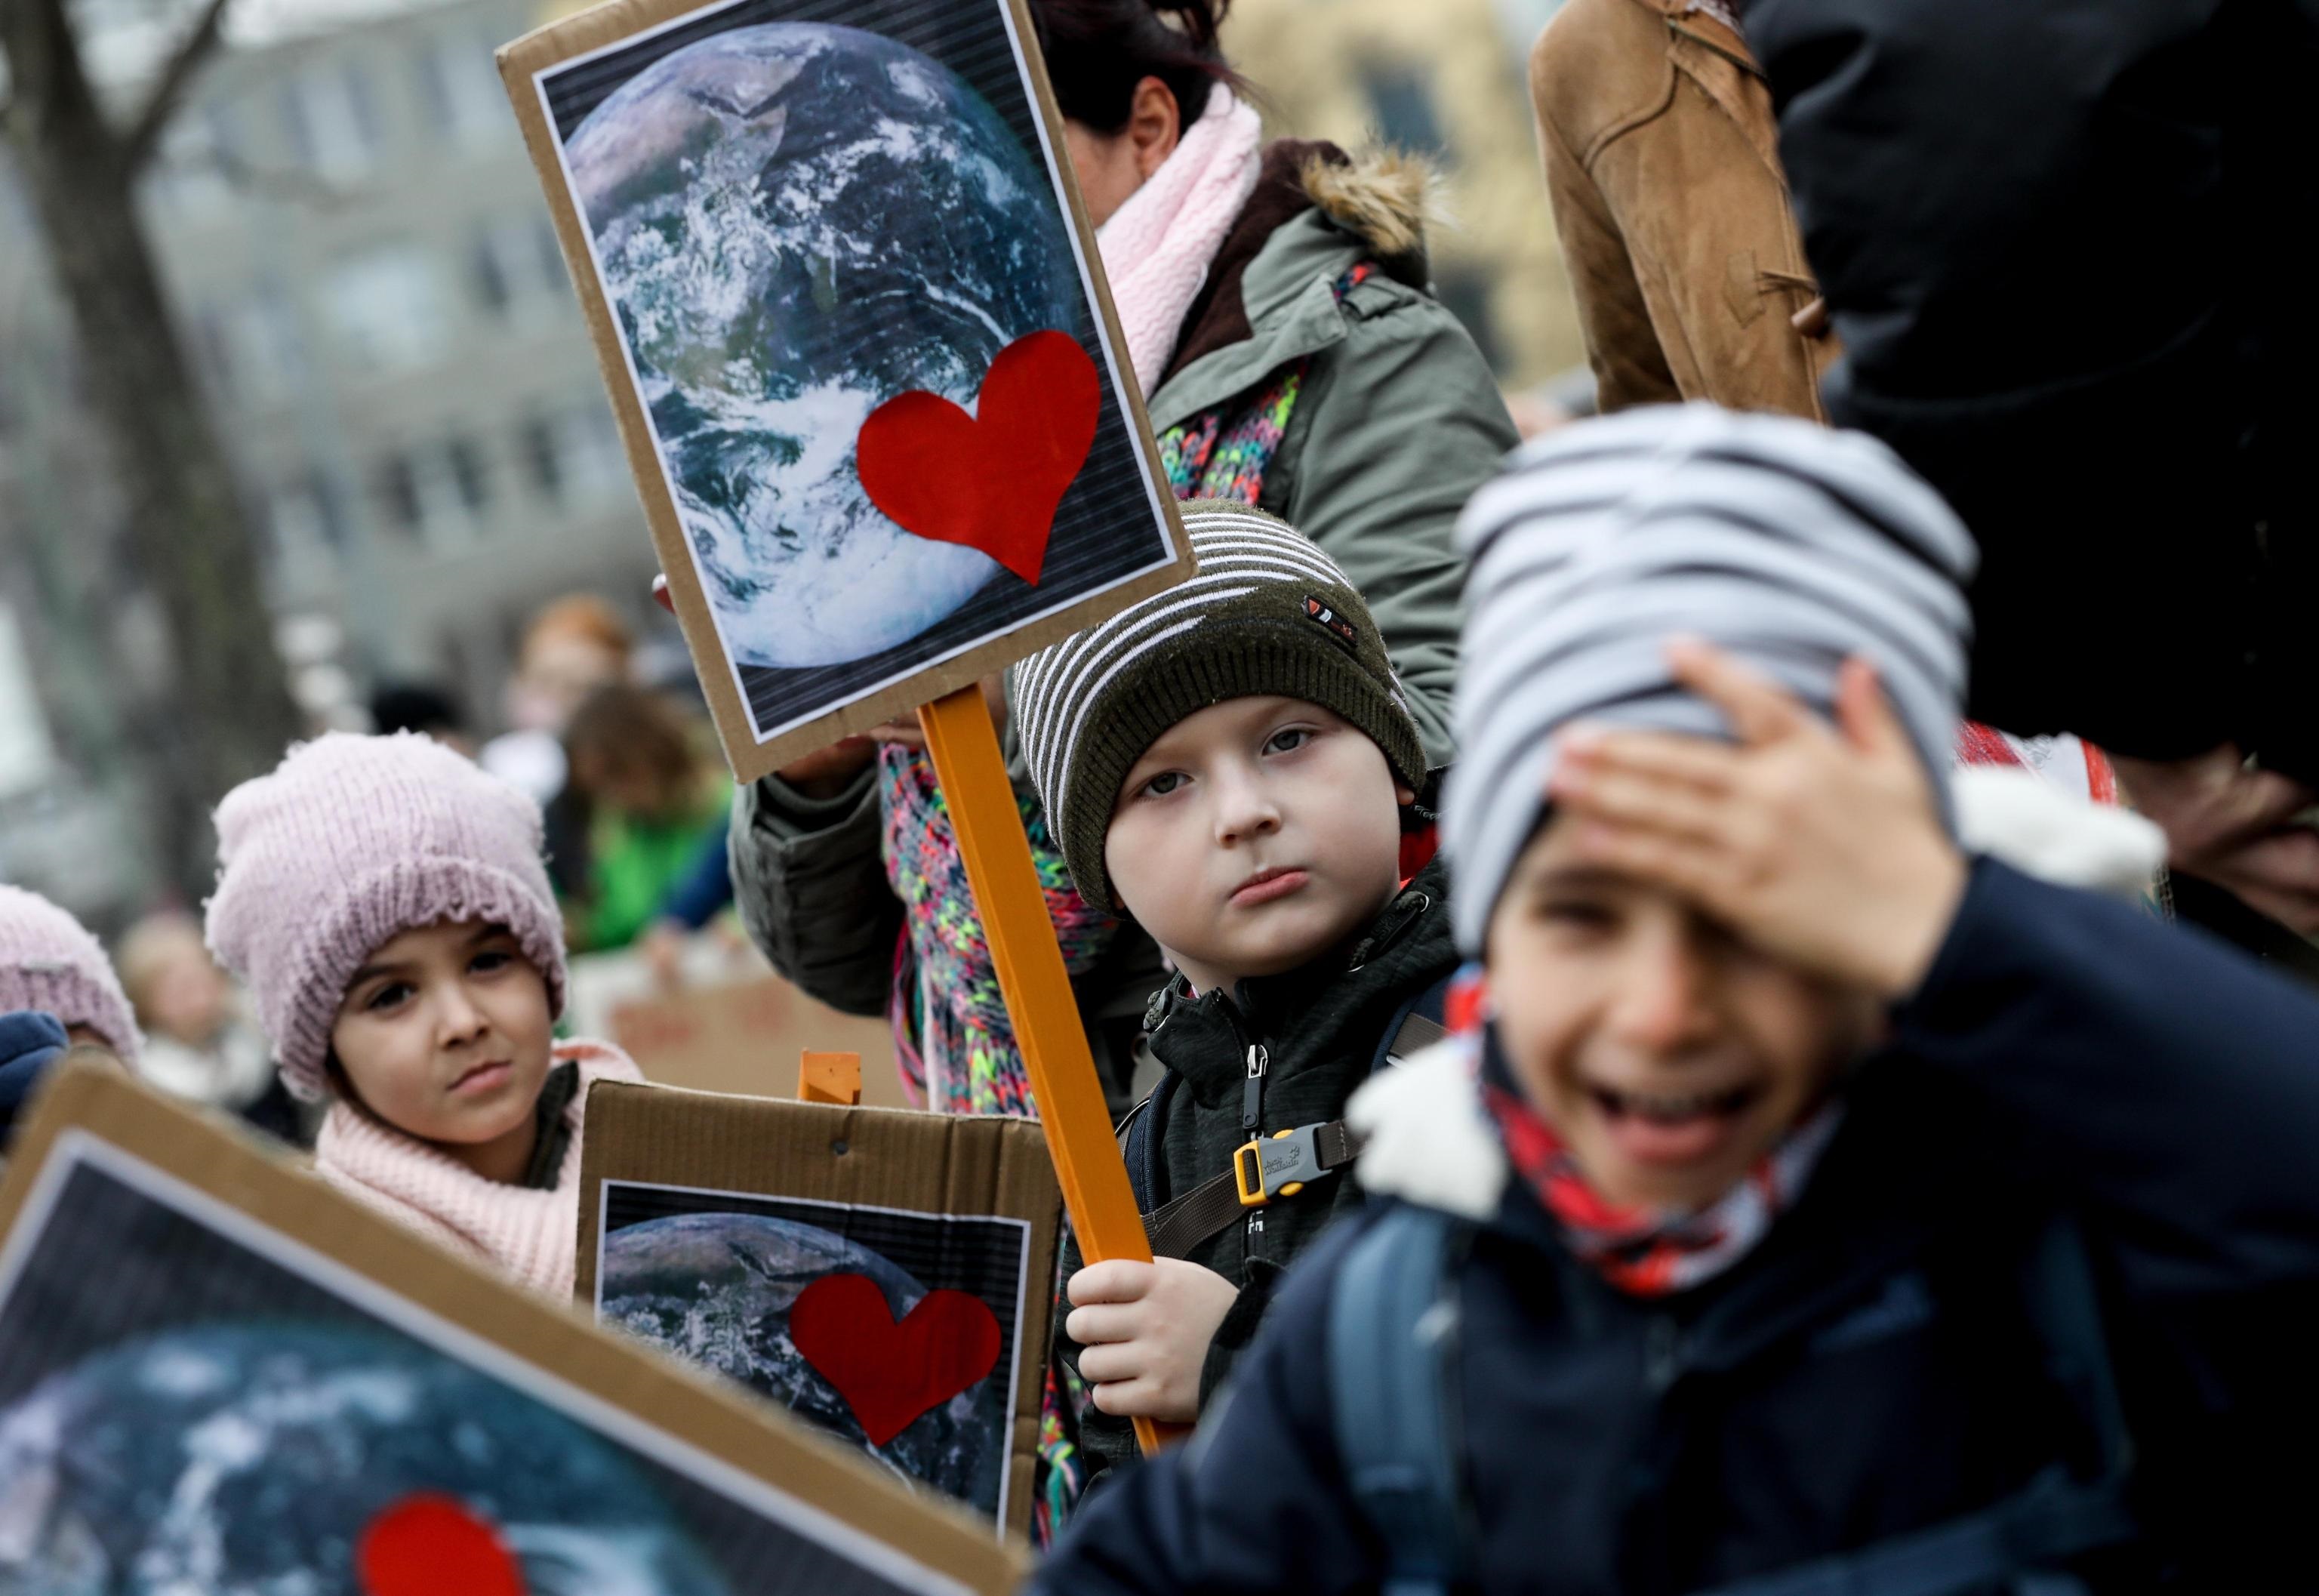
[1320,1027]
[1867,1370]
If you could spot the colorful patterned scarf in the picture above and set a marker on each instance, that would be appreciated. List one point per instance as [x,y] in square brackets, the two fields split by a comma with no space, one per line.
[1645,1252]
[951,1032]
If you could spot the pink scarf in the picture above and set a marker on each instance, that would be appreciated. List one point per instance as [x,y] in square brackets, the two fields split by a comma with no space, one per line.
[1157,247]
[532,1236]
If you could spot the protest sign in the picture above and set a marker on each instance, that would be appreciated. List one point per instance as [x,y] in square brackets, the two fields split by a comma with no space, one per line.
[886,1275]
[217,1372]
[855,329]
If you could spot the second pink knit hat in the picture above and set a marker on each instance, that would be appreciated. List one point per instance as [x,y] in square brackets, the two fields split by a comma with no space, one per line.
[49,961]
[351,842]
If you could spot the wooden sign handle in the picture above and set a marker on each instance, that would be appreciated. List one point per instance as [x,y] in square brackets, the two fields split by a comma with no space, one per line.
[963,744]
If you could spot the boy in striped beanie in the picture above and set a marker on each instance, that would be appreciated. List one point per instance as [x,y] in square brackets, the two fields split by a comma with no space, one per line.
[1800,1203]
[1230,763]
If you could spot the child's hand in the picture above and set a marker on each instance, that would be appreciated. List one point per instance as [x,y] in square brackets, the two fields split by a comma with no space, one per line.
[1818,844]
[1145,1329]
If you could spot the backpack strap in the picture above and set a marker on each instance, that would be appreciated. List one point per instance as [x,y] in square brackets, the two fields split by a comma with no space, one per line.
[1140,1136]
[1392,1349]
[1217,1204]
[1417,1025]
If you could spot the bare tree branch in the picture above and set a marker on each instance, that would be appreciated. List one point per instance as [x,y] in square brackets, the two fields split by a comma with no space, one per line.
[144,133]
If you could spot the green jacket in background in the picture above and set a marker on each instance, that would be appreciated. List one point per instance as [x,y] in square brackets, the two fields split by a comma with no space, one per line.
[633,865]
[1398,422]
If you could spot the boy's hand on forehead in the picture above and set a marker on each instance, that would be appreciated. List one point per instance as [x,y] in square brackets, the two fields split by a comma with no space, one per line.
[1821,845]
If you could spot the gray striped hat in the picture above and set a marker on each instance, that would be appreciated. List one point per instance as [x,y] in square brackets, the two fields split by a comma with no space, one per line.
[1267,612]
[1783,543]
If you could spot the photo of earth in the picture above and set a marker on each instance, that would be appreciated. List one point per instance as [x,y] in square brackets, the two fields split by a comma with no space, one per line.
[717,1287]
[249,1458]
[794,223]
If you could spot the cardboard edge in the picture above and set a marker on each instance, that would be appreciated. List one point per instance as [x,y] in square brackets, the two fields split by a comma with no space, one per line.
[519,61]
[660,1392]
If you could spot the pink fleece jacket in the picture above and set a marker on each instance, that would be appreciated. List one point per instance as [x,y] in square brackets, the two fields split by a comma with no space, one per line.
[529,1236]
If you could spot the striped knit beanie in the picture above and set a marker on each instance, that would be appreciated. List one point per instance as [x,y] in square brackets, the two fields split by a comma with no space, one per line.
[48,961]
[1790,545]
[1266,613]
[351,842]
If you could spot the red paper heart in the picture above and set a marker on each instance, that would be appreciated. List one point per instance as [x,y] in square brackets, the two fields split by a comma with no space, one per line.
[991,481]
[431,1545]
[887,1371]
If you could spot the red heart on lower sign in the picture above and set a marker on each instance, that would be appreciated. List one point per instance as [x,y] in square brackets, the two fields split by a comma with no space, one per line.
[432,1545]
[992,480]
[891,1371]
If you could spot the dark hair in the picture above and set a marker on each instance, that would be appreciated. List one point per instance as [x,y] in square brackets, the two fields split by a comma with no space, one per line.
[1098,50]
[414,706]
[633,730]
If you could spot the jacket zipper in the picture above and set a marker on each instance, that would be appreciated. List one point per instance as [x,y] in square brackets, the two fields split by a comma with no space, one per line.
[1251,1121]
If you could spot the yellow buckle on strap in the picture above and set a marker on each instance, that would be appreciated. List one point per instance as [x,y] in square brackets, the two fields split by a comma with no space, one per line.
[1278,1165]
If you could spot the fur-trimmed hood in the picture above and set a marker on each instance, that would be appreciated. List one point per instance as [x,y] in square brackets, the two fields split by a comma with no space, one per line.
[1384,197]
[1425,1137]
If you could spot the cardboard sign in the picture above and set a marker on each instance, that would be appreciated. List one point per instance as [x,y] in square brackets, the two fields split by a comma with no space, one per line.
[217,1372]
[745,1037]
[856,331]
[887,1274]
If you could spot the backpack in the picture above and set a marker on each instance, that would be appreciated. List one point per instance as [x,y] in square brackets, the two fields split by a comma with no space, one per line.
[1391,1364]
[1175,1228]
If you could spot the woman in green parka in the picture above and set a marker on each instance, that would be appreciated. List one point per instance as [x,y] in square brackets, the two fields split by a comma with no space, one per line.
[1275,302]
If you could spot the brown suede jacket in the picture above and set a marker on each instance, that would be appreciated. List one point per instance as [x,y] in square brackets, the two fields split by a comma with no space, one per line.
[1656,126]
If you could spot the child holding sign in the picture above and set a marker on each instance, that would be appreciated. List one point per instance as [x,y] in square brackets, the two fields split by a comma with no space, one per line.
[384,901]
[1804,1205]
[1232,763]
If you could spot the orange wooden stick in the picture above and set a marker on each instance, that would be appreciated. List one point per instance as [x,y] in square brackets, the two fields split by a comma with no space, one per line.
[964,745]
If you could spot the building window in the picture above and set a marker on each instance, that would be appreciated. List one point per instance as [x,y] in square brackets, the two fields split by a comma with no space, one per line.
[398,492]
[466,466]
[574,456]
[1402,103]
[257,346]
[386,308]
[197,156]
[331,122]
[436,493]
[462,91]
[537,441]
[513,280]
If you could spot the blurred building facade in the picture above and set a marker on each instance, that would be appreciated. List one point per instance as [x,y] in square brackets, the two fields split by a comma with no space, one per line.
[363,270]
[1445,80]
[364,264]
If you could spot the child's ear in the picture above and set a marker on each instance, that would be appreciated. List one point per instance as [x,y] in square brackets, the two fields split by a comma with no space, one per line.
[1403,795]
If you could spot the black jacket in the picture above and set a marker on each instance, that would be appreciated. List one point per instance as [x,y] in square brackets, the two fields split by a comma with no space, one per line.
[1868,1369]
[1320,1029]
[2059,240]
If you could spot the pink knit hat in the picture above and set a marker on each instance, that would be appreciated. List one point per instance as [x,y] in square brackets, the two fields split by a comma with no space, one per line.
[350,843]
[48,961]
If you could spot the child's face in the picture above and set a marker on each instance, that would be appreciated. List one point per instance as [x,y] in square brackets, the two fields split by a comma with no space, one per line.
[444,1033]
[1668,1055]
[1254,836]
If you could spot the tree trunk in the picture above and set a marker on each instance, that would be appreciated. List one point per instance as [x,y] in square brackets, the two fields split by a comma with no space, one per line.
[227,711]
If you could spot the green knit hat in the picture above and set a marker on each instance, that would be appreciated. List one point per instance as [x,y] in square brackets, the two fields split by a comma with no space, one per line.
[1268,613]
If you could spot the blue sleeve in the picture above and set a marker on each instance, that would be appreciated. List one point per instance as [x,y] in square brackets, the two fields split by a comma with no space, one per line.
[2166,1082]
[1255,1501]
[707,885]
